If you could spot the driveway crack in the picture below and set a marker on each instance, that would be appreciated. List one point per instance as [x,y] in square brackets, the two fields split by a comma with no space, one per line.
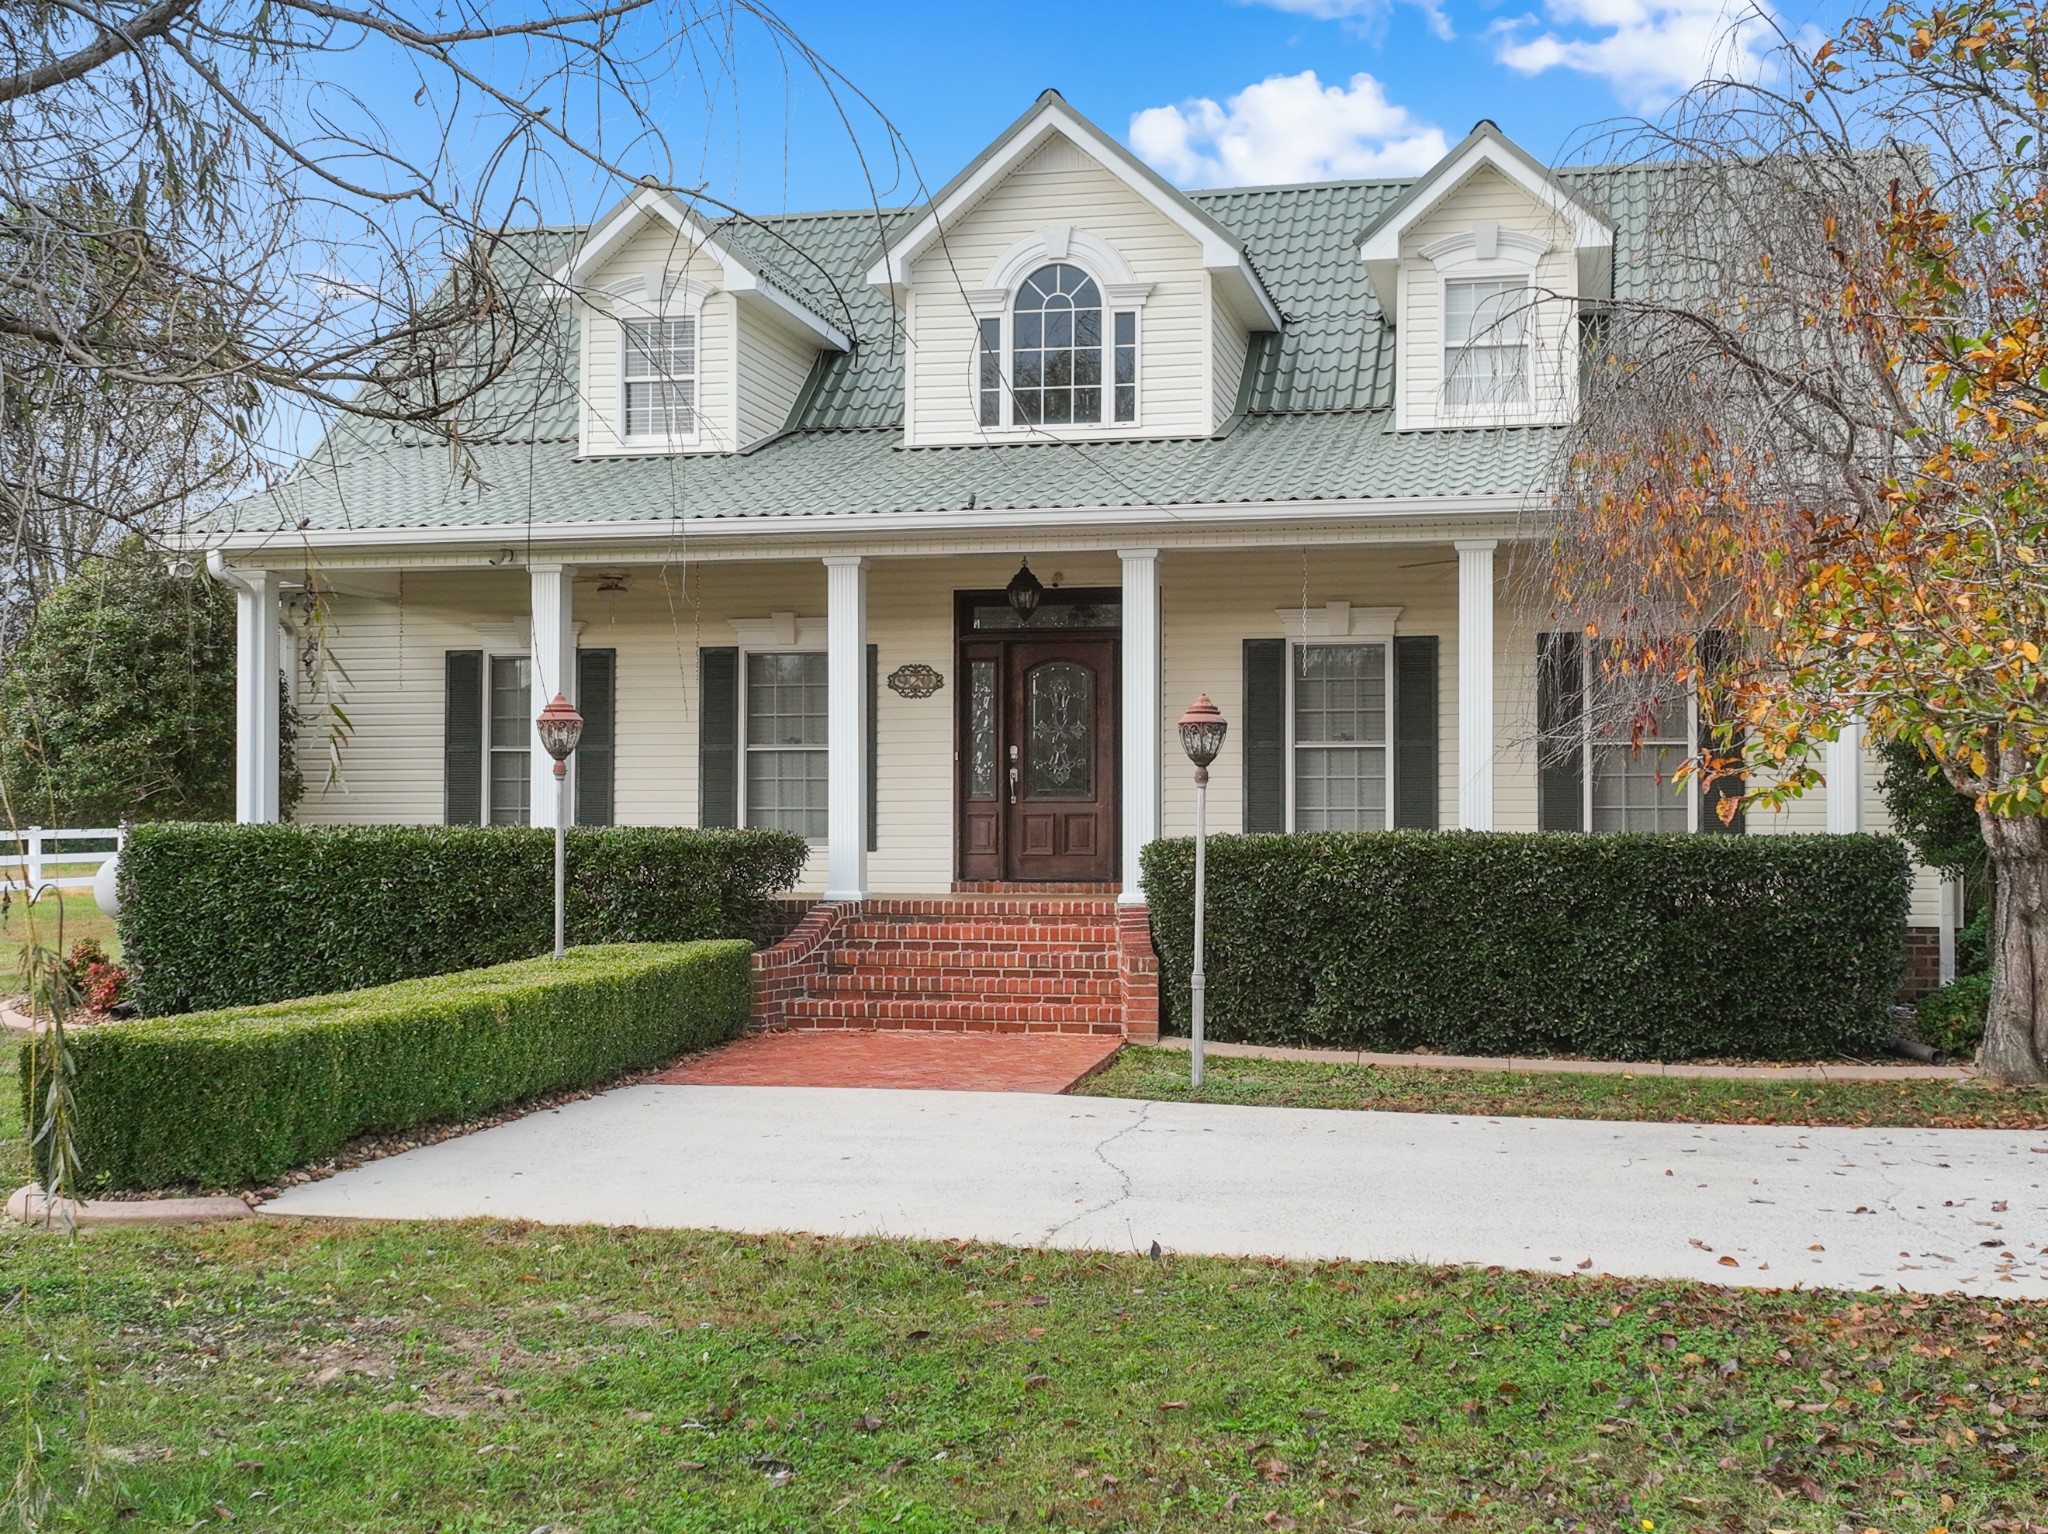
[1122,1173]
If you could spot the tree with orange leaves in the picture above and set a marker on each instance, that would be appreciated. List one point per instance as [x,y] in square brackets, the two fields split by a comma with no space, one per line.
[1826,438]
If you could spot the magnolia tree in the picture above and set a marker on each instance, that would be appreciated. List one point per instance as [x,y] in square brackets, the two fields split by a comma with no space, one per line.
[1824,439]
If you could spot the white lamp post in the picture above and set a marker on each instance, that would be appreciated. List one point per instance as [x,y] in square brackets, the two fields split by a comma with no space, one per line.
[1202,729]
[560,727]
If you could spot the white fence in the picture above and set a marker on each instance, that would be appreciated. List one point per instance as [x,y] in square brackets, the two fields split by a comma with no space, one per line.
[38,858]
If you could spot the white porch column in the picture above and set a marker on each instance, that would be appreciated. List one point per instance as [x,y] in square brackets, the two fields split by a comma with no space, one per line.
[846,645]
[1475,683]
[258,658]
[1951,918]
[1141,715]
[1843,765]
[553,669]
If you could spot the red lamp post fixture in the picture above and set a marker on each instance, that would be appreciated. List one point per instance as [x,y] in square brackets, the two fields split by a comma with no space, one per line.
[560,727]
[1202,729]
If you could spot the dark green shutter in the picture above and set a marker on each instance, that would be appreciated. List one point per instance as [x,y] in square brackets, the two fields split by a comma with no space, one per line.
[718,737]
[597,702]
[874,685]
[1265,735]
[1715,653]
[462,738]
[1415,732]
[1560,750]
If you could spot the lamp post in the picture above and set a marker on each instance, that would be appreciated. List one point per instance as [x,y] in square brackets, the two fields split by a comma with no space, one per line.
[1202,729]
[560,727]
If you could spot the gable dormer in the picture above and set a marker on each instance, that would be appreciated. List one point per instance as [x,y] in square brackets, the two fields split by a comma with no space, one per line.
[1059,289]
[1481,268]
[683,344]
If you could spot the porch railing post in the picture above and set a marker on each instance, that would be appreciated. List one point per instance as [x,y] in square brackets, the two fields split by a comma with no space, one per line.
[1142,720]
[847,726]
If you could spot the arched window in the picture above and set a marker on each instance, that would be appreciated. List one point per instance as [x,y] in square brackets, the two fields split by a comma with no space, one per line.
[1059,373]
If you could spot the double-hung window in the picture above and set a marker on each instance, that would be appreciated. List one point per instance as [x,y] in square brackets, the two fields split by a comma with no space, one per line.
[659,379]
[1610,759]
[510,737]
[785,722]
[1072,360]
[1341,771]
[1631,777]
[1486,345]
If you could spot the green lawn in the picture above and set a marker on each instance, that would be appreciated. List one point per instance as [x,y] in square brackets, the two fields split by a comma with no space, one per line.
[1163,1073]
[81,918]
[315,1377]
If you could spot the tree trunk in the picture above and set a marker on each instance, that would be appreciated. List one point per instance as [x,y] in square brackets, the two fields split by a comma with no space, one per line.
[2015,1048]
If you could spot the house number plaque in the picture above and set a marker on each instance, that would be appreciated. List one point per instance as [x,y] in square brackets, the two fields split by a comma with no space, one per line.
[915,680]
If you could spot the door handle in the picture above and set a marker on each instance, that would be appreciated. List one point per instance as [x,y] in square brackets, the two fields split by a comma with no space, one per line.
[1013,785]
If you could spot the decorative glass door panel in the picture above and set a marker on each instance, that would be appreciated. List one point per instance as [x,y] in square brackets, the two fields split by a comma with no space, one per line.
[1059,730]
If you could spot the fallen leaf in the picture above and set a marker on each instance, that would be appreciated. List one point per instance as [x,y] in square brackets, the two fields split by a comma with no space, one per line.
[1729,1262]
[867,1424]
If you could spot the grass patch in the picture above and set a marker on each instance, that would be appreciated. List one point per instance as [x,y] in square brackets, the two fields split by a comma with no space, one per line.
[1163,1074]
[471,1377]
[82,918]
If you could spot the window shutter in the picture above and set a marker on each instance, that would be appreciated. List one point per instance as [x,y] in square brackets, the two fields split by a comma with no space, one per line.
[718,737]
[1560,755]
[462,738]
[874,742]
[1265,735]
[1715,653]
[597,702]
[1415,732]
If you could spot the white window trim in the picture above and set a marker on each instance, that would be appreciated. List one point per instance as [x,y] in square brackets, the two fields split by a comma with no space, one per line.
[694,313]
[1484,253]
[1295,644]
[746,744]
[1488,414]
[1690,789]
[490,751]
[996,300]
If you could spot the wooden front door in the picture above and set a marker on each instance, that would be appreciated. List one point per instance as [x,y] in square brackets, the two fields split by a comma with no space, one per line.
[1038,759]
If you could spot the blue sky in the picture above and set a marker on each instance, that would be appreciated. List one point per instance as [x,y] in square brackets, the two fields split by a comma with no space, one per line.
[1212,92]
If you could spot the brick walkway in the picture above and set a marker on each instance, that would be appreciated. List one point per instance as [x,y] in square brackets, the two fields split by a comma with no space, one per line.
[942,1062]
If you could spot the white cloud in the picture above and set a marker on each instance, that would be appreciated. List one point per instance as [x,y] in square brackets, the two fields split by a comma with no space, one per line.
[1649,51]
[1361,14]
[1287,128]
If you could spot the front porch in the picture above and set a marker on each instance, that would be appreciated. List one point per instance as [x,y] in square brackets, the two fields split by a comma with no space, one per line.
[895,710]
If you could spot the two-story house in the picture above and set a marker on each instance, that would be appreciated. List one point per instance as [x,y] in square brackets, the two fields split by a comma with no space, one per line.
[915,535]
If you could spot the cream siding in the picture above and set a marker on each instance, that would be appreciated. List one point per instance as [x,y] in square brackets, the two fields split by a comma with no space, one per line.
[1230,344]
[1175,366]
[1486,195]
[774,362]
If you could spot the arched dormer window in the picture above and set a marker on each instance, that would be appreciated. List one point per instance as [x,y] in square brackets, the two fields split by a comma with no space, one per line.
[1071,359]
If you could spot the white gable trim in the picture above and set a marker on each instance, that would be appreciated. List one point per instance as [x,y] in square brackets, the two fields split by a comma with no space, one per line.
[1592,238]
[737,275]
[1221,255]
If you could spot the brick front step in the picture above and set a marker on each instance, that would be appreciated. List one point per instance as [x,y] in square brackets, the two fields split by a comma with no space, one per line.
[952,1025]
[1005,963]
[969,985]
[1000,958]
[875,1011]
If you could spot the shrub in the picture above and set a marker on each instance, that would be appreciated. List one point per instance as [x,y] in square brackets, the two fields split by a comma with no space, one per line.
[1626,947]
[221,1098]
[1952,1018]
[228,916]
[96,980]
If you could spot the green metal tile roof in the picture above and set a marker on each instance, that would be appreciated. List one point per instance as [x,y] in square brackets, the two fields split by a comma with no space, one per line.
[1317,422]
[1338,455]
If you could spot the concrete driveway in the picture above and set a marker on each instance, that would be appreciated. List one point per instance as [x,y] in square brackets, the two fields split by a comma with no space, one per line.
[1919,1209]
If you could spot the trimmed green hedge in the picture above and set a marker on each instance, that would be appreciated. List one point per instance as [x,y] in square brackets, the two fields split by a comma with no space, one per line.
[218,1099]
[1622,947]
[233,916]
